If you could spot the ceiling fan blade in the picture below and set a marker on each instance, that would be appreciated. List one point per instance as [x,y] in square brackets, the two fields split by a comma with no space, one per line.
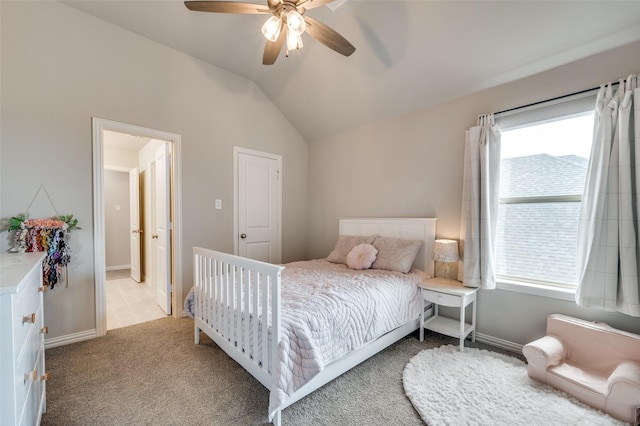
[312,4]
[226,7]
[272,48]
[328,37]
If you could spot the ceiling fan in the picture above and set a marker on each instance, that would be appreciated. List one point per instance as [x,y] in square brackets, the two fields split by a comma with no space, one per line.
[287,23]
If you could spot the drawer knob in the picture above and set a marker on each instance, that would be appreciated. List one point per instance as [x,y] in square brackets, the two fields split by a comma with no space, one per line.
[45,376]
[29,318]
[44,330]
[43,289]
[32,375]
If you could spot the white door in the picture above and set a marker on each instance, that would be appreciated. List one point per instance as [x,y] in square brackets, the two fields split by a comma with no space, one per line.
[162,235]
[134,220]
[258,201]
[151,239]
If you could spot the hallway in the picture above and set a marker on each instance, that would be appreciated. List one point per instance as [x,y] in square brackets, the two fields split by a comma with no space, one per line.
[129,302]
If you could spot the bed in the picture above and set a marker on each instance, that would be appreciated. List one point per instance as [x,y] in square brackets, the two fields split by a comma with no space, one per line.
[269,318]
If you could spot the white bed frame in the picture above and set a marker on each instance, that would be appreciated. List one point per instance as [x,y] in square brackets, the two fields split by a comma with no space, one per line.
[220,278]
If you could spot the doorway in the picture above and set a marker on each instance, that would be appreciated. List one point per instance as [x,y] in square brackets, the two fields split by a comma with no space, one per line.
[152,157]
[130,283]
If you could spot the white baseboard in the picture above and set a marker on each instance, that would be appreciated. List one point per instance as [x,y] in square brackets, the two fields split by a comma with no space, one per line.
[117,267]
[70,338]
[499,343]
[91,334]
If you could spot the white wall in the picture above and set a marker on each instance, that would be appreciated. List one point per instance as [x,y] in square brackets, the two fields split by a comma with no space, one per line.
[117,219]
[412,166]
[119,158]
[60,67]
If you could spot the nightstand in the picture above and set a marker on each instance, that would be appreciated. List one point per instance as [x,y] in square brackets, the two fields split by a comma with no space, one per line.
[444,292]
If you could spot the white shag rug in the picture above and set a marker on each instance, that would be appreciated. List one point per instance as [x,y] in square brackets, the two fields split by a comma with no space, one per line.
[478,387]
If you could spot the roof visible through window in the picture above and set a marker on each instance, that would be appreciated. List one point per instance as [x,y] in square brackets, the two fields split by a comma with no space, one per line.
[543,171]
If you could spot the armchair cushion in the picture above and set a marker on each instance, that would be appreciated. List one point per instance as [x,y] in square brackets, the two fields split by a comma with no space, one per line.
[545,352]
[624,382]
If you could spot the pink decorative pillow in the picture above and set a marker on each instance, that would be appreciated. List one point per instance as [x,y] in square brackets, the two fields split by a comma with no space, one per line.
[361,256]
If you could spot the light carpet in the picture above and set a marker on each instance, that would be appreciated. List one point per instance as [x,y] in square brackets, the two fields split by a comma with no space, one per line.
[478,387]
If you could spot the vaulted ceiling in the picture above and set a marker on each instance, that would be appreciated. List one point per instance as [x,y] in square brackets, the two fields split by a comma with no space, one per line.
[409,54]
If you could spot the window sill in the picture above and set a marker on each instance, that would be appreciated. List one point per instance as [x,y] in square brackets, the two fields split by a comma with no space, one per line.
[537,290]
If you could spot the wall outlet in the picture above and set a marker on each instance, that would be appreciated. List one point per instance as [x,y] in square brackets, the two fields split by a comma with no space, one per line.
[218,204]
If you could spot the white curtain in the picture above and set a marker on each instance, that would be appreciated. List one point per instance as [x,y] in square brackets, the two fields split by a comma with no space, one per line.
[480,196]
[608,242]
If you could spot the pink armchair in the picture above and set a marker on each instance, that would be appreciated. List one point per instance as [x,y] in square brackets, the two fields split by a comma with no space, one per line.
[595,363]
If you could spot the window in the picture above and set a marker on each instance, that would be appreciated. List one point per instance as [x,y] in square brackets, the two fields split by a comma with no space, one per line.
[544,158]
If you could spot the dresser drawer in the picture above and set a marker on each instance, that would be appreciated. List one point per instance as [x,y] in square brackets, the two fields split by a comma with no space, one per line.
[41,391]
[34,400]
[442,299]
[27,308]
[27,372]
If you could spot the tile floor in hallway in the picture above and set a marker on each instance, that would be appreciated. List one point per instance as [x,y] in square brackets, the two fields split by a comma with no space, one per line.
[129,302]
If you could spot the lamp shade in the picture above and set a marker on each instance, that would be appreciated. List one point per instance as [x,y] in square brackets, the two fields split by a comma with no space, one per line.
[271,28]
[296,23]
[293,41]
[445,251]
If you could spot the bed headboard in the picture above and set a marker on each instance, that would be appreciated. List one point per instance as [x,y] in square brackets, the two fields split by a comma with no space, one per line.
[406,228]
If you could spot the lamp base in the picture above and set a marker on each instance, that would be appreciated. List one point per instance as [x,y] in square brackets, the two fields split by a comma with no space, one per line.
[442,270]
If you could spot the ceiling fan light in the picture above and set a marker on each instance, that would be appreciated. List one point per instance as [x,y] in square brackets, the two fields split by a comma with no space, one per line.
[295,23]
[271,28]
[294,41]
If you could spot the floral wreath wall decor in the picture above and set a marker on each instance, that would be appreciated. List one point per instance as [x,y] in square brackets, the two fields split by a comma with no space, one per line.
[45,235]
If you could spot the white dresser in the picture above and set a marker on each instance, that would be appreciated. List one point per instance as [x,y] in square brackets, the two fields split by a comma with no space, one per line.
[22,330]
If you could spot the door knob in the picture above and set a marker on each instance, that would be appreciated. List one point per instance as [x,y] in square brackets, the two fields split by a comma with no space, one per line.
[154,236]
[243,236]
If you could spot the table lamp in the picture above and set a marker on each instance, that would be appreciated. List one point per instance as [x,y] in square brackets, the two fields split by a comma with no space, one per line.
[445,251]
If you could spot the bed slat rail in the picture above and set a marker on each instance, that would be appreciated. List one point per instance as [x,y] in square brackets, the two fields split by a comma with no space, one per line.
[238,305]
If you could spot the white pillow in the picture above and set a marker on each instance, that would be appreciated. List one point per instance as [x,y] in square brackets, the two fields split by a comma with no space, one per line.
[361,256]
[344,245]
[395,254]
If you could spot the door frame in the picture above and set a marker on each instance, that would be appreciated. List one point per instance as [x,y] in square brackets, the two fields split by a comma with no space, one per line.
[237,150]
[99,125]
